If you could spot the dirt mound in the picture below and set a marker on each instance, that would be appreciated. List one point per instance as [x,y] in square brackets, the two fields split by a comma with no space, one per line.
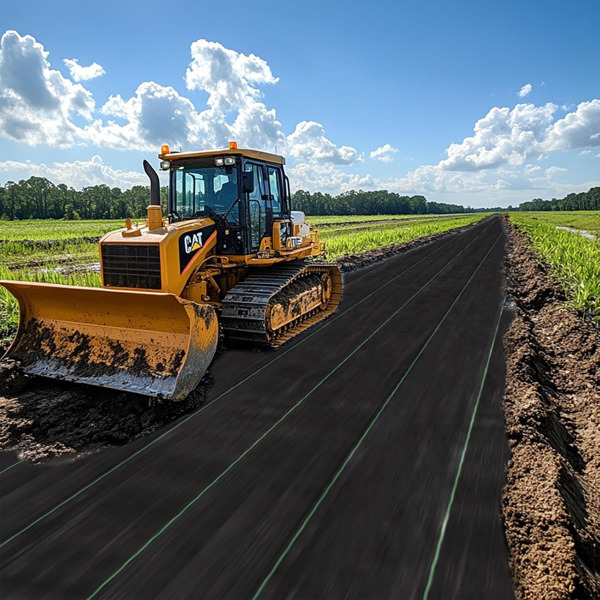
[41,418]
[551,502]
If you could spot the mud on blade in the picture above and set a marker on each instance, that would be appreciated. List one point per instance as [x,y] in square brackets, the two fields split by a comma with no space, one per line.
[149,343]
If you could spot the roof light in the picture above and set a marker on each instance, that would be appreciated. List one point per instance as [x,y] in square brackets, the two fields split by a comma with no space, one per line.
[233,146]
[219,162]
[164,165]
[230,160]
[164,149]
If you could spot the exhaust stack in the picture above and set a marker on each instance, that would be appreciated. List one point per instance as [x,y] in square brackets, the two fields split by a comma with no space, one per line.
[155,219]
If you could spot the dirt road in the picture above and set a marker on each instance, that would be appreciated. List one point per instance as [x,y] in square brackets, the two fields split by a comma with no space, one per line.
[366,459]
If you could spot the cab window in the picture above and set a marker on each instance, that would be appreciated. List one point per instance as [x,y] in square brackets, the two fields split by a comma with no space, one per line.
[203,190]
[276,191]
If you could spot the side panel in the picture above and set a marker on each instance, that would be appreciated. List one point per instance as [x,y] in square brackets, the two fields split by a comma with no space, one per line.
[156,261]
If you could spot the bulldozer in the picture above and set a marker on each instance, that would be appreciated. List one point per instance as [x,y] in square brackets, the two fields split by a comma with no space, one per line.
[231,258]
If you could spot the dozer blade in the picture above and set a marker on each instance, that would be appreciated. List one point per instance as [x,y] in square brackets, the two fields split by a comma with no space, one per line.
[144,342]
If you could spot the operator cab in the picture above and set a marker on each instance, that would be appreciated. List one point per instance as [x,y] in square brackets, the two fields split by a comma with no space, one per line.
[243,191]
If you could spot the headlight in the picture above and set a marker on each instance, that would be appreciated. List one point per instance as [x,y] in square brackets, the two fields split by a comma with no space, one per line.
[229,160]
[219,162]
[164,165]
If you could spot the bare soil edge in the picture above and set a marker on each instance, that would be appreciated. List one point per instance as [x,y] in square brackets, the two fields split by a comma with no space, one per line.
[551,501]
[43,419]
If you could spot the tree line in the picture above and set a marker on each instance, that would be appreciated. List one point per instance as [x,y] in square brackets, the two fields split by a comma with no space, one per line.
[583,201]
[39,198]
[379,202]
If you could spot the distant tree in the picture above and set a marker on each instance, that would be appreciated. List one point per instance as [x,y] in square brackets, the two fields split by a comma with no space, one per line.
[583,201]
[39,198]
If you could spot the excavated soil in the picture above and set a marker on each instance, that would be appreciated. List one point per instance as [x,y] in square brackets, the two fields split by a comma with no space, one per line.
[42,419]
[551,502]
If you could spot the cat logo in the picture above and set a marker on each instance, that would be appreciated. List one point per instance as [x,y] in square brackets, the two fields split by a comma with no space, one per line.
[193,242]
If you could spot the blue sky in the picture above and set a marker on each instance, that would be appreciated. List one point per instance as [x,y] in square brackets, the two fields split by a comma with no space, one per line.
[471,102]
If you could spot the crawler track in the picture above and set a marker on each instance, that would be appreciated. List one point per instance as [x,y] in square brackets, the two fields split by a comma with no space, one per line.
[364,459]
[244,314]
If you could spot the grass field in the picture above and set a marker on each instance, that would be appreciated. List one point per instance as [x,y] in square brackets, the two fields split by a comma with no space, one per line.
[38,229]
[584,220]
[66,252]
[574,259]
[359,219]
[354,240]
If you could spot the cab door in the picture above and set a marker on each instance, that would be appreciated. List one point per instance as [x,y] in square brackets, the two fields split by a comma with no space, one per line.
[260,212]
[280,211]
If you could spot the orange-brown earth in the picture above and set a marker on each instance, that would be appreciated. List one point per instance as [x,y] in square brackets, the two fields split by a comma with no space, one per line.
[551,502]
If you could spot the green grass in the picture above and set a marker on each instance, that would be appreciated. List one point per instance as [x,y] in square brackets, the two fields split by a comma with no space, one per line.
[332,220]
[573,259]
[15,254]
[586,220]
[330,230]
[339,242]
[9,307]
[46,229]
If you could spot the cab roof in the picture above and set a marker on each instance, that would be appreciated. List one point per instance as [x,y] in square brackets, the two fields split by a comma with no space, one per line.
[255,154]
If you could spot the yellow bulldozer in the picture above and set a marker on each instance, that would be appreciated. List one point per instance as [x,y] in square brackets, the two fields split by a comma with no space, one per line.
[231,250]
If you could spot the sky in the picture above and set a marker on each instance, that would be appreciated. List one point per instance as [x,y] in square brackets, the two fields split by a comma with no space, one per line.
[470,102]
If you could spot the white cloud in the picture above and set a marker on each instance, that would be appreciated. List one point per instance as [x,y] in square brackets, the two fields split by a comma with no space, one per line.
[157,114]
[525,90]
[552,171]
[532,169]
[256,126]
[502,136]
[78,174]
[154,115]
[38,105]
[383,153]
[326,177]
[578,129]
[432,179]
[36,102]
[229,77]
[79,73]
[308,143]
[495,187]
